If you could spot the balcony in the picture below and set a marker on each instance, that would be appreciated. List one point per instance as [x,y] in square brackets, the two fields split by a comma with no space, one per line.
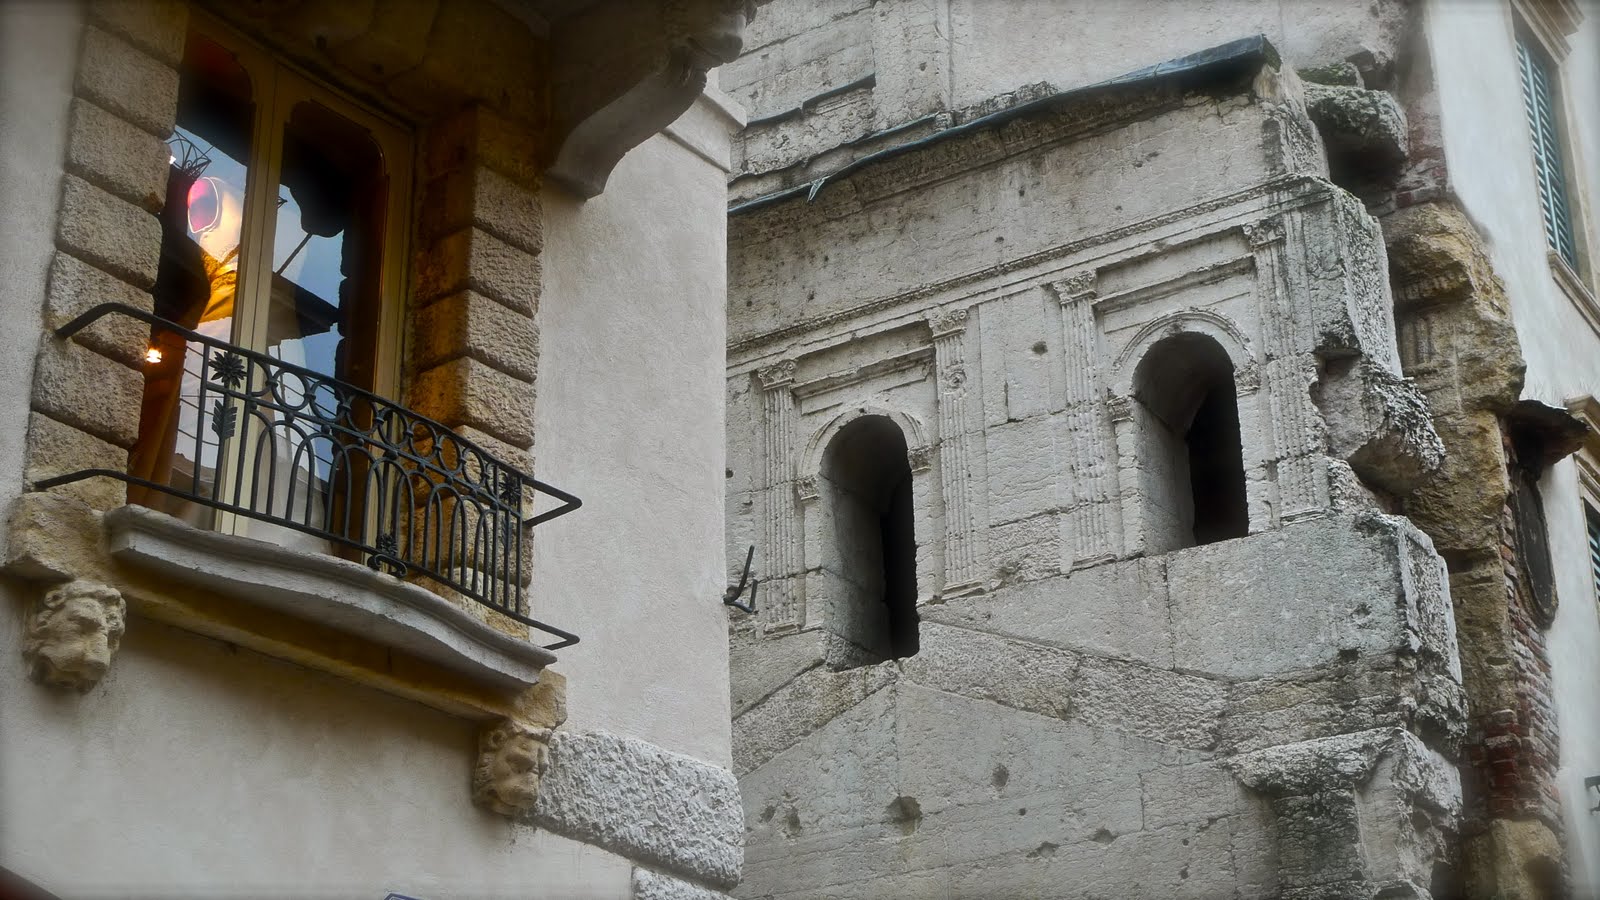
[369,486]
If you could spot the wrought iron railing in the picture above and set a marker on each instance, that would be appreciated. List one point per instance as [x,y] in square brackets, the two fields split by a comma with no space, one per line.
[279,443]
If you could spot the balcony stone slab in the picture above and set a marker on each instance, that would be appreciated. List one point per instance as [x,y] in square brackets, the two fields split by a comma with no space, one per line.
[329,591]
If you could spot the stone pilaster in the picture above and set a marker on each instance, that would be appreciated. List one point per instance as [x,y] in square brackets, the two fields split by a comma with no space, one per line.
[780,545]
[961,569]
[1093,521]
[1286,378]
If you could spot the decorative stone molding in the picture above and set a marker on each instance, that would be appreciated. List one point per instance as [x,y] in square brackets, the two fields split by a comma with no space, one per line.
[1076,287]
[1262,233]
[1120,407]
[805,488]
[512,757]
[920,458]
[944,322]
[779,374]
[663,809]
[1247,380]
[72,634]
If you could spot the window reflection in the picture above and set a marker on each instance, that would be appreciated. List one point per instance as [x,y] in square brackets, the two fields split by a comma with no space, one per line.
[198,276]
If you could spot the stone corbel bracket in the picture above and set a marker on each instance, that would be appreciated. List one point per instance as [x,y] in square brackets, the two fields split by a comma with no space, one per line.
[626,70]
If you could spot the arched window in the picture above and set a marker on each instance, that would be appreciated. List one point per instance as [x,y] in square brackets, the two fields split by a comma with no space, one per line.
[1191,461]
[870,557]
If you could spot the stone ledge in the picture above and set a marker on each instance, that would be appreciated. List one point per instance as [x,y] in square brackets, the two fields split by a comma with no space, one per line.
[651,805]
[648,885]
[333,592]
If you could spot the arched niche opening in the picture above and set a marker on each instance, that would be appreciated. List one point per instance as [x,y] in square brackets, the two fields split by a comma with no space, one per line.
[870,551]
[1191,455]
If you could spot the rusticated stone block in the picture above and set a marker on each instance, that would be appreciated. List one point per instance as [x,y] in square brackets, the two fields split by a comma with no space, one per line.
[52,537]
[484,197]
[520,458]
[125,80]
[473,258]
[78,386]
[468,392]
[55,449]
[470,324]
[1366,127]
[648,885]
[117,156]
[109,232]
[76,287]
[1380,424]
[651,805]
[158,27]
[394,40]
[482,137]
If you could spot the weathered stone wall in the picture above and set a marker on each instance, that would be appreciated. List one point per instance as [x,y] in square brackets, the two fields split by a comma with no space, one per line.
[1089,713]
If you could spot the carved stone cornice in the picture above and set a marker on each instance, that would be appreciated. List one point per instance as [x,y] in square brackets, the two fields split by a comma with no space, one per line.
[947,322]
[777,375]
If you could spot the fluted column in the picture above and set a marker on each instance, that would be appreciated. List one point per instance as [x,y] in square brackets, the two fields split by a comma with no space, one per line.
[779,538]
[1287,378]
[956,451]
[1093,523]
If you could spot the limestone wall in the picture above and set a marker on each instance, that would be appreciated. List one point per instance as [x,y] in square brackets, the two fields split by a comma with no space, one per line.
[1091,712]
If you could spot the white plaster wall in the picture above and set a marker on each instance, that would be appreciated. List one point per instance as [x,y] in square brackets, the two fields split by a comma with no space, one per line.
[196,769]
[38,56]
[1488,153]
[630,418]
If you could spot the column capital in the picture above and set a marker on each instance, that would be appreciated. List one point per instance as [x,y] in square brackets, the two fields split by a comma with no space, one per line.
[1076,287]
[1263,233]
[946,322]
[778,375]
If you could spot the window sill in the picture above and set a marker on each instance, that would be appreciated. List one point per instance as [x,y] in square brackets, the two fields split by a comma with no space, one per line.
[327,591]
[1577,291]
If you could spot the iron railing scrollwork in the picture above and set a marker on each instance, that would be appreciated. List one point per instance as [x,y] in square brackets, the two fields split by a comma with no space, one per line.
[284,444]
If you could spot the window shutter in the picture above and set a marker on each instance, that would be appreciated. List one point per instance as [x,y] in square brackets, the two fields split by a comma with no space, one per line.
[1593,518]
[1538,95]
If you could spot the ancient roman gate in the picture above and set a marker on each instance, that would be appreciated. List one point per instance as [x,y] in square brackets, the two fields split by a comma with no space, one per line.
[1064,441]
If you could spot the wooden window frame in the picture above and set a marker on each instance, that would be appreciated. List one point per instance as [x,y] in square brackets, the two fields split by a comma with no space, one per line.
[277,87]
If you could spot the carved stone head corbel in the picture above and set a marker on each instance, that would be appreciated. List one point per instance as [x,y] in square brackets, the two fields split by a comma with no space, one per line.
[73,632]
[512,757]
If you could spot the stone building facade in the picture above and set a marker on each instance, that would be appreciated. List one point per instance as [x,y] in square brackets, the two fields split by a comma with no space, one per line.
[1147,468]
[277,622]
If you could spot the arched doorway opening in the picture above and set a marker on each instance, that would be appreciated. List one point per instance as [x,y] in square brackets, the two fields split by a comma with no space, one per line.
[1191,454]
[870,547]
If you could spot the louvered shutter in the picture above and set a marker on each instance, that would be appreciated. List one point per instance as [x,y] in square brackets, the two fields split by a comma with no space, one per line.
[1594,545]
[1538,95]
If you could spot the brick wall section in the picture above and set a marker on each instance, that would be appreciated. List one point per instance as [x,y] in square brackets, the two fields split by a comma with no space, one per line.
[1517,759]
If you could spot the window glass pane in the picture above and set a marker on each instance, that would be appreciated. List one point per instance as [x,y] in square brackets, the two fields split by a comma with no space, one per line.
[322,315]
[196,284]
